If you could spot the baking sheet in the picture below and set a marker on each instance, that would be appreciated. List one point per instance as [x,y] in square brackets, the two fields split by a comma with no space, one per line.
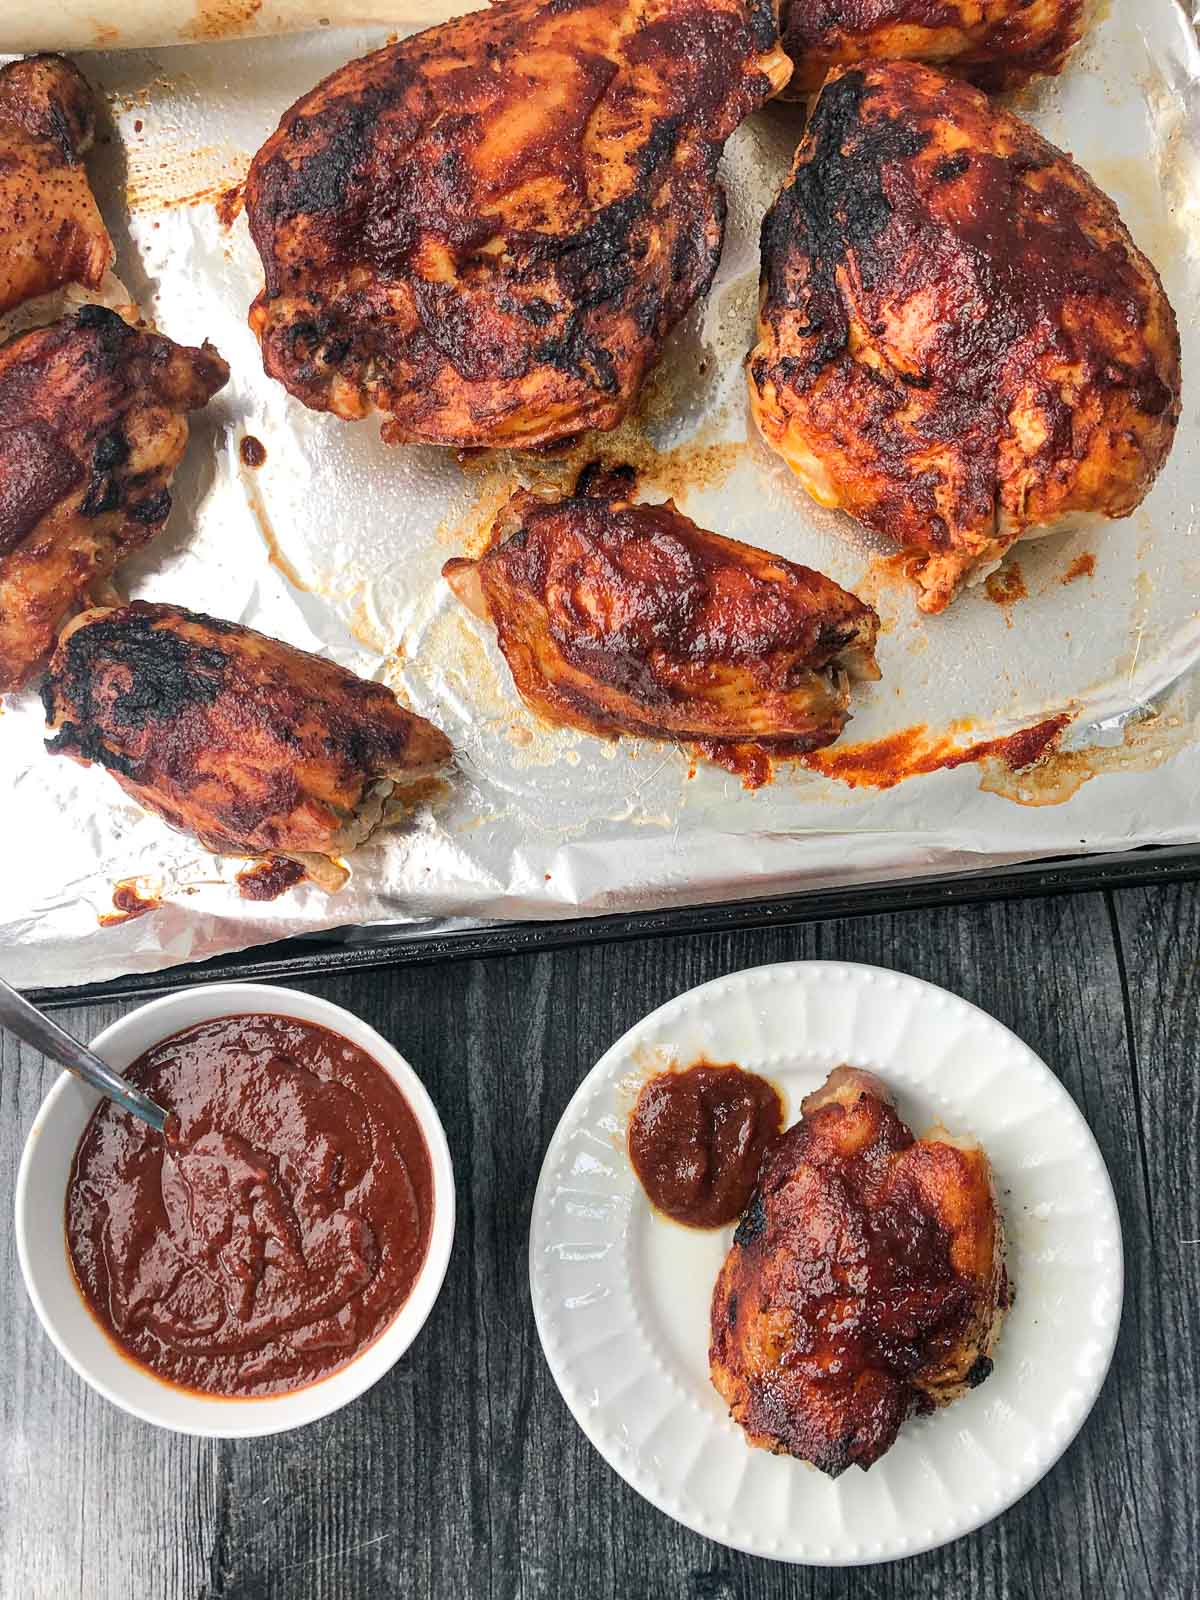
[337,541]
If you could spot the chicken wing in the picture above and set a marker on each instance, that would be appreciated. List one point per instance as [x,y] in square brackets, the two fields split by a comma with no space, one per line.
[255,748]
[93,421]
[620,618]
[959,343]
[51,233]
[865,1282]
[487,230]
[997,44]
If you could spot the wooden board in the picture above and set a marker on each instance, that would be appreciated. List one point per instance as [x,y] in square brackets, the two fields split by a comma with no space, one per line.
[462,1473]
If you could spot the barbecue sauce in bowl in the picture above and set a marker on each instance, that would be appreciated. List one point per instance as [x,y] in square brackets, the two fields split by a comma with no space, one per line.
[697,1139]
[279,1226]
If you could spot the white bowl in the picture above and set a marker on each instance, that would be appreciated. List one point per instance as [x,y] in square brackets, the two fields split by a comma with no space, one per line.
[41,1236]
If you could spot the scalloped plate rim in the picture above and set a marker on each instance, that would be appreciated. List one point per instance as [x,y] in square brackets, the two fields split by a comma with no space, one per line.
[619,1054]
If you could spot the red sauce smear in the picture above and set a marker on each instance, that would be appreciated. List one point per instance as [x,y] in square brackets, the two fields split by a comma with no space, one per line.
[128,903]
[912,753]
[1083,566]
[230,204]
[252,451]
[1006,586]
[883,763]
[697,1139]
[279,1227]
[270,878]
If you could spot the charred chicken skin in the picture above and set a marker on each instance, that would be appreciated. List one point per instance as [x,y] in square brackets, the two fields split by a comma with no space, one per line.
[253,747]
[93,422]
[959,343]
[620,618]
[51,233]
[865,1281]
[486,231]
[997,44]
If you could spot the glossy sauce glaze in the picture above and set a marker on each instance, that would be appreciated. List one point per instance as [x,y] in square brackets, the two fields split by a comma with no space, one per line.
[697,1139]
[864,1283]
[277,1229]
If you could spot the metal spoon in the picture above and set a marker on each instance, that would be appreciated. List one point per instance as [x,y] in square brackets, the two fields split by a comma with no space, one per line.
[36,1028]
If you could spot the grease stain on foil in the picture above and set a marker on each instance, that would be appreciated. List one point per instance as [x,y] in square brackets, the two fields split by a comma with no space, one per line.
[161,177]
[916,752]
[1083,566]
[221,19]
[131,898]
[267,880]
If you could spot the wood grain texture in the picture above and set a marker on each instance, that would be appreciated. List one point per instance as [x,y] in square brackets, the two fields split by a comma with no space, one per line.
[463,1474]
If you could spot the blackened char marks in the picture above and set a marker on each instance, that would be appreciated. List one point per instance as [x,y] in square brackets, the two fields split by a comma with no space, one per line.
[36,472]
[153,508]
[951,167]
[599,480]
[114,328]
[836,204]
[157,674]
[980,1372]
[49,99]
[336,145]
[752,1225]
[270,878]
[533,208]
[764,23]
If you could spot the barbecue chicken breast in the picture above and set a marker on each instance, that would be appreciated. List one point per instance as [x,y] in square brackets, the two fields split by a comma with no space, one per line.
[865,1282]
[93,422]
[621,618]
[486,231]
[253,747]
[997,44]
[959,343]
[50,228]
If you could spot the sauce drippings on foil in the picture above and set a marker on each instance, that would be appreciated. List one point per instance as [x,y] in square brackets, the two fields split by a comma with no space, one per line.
[252,451]
[279,1226]
[697,1138]
[268,879]
[1007,586]
[128,902]
[1083,566]
[883,763]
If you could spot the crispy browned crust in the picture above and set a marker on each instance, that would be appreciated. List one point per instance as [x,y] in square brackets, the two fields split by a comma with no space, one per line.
[252,746]
[622,618]
[865,1281]
[486,231]
[93,421]
[51,233]
[959,341]
[996,44]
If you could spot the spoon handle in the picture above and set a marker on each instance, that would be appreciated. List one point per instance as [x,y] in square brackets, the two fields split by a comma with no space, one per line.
[19,1016]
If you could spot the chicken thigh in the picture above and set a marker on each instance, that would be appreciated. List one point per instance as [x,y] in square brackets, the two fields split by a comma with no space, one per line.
[93,422]
[997,44]
[959,342]
[486,231]
[621,618]
[252,746]
[865,1282]
[51,233]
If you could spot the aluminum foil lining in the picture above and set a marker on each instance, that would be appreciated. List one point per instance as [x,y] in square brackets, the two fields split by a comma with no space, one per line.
[336,543]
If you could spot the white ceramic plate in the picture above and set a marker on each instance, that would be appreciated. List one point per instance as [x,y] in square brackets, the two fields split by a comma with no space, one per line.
[621,1295]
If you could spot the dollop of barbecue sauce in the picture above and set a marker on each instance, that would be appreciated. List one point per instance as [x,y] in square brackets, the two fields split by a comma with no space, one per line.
[275,1230]
[697,1138]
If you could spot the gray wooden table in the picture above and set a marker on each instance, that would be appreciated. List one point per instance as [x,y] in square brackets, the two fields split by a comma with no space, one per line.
[462,1474]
